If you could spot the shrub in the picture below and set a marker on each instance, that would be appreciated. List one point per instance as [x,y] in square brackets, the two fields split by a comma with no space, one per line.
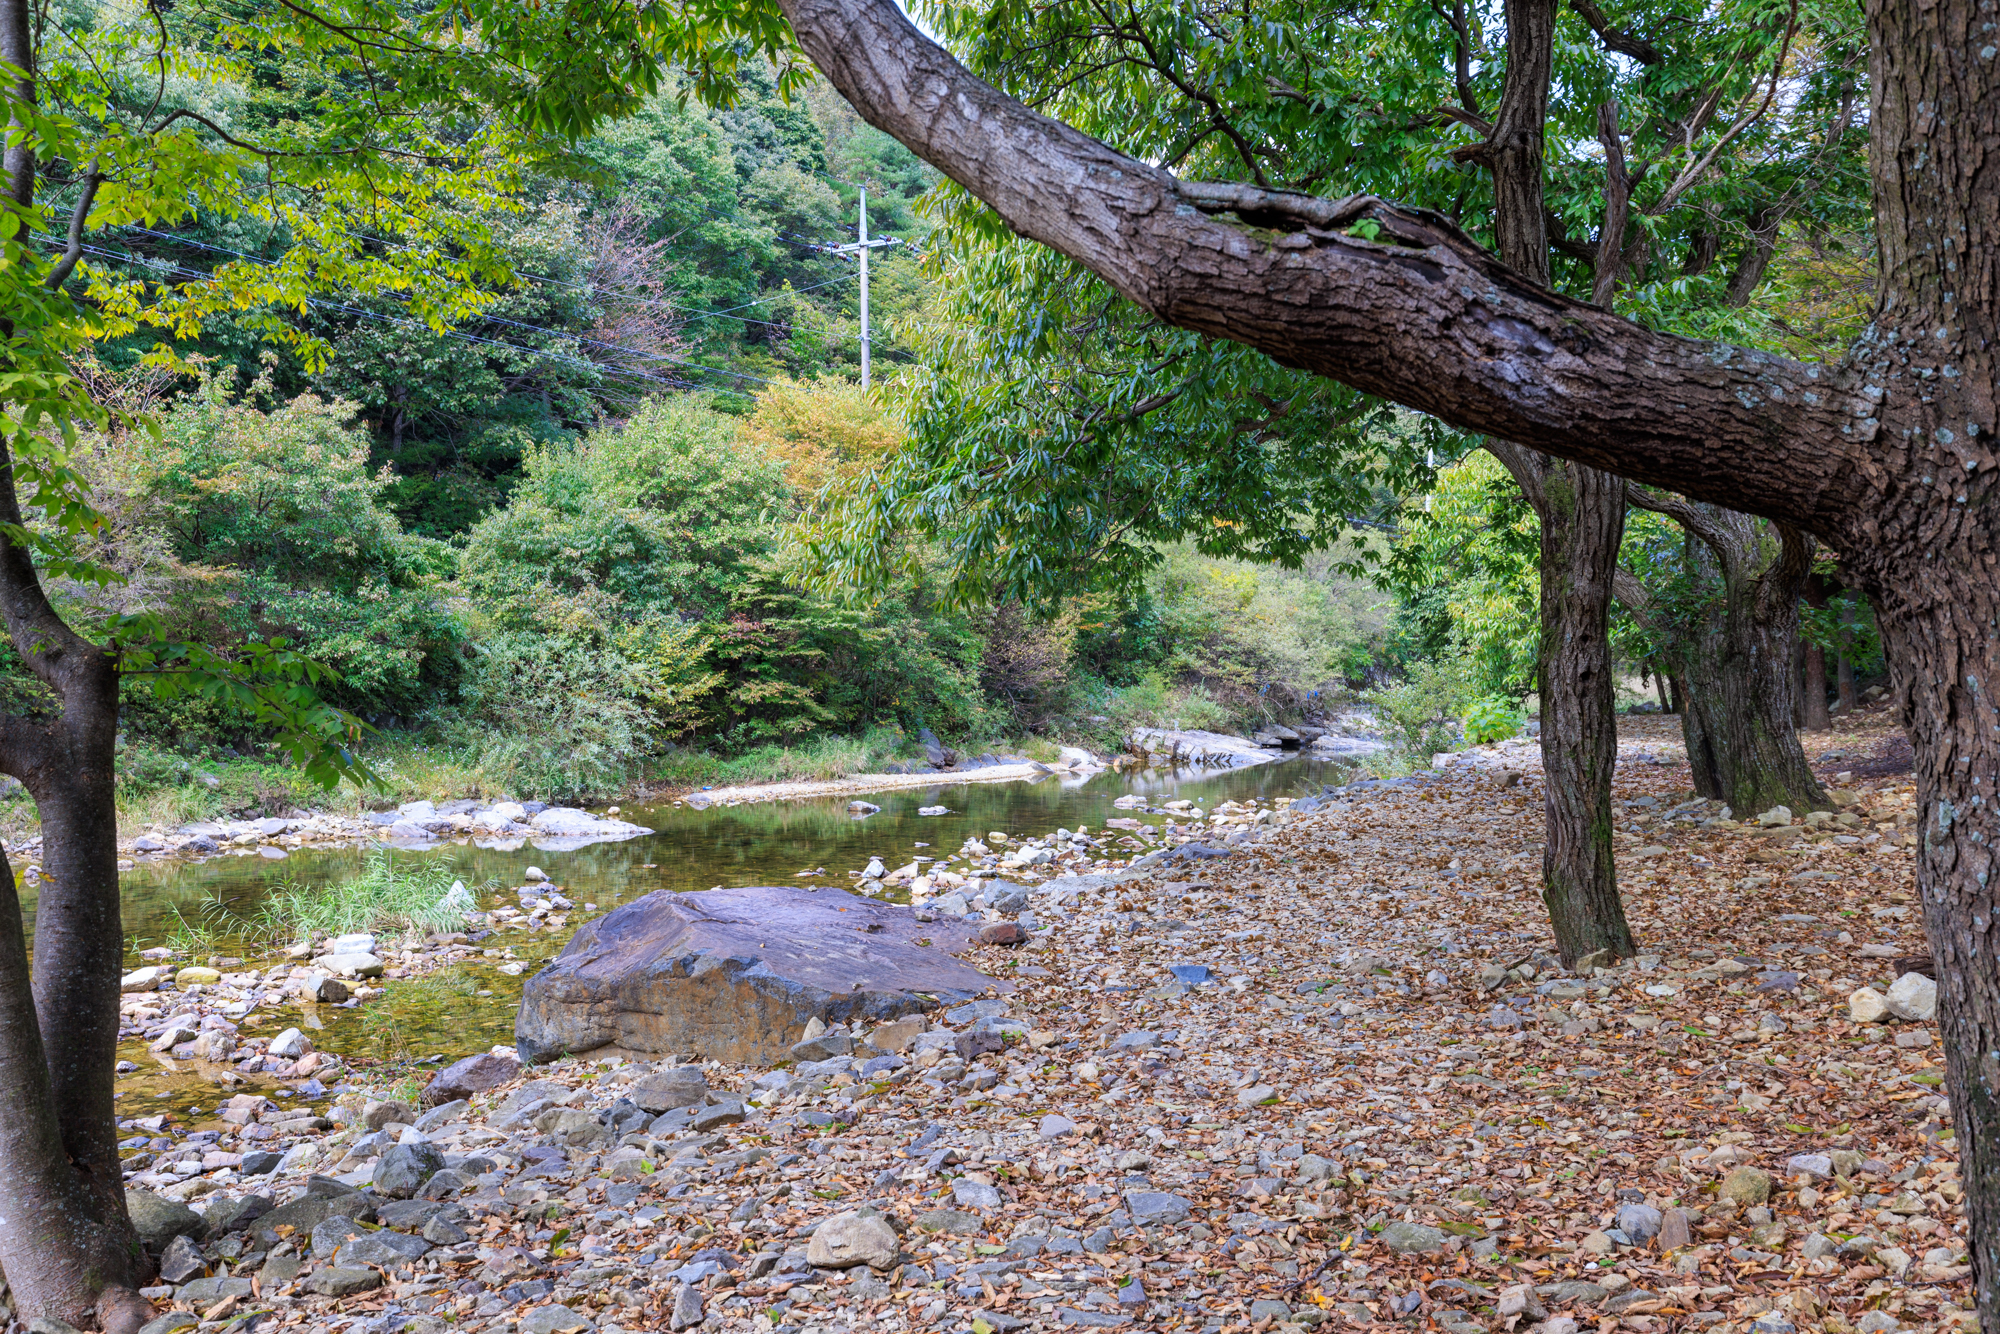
[1492,719]
[1416,714]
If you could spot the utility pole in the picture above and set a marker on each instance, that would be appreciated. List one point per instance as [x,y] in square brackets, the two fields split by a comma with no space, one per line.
[861,249]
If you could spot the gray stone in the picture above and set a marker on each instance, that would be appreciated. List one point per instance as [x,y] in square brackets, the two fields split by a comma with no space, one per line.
[954,1221]
[822,1047]
[1817,1165]
[1577,1292]
[554,1320]
[1621,1302]
[975,1195]
[1053,1126]
[736,974]
[443,1232]
[1091,1319]
[333,1281]
[1151,1207]
[443,1114]
[331,1233]
[727,1113]
[1410,1238]
[1101,1241]
[1269,1308]
[475,1074]
[1312,1167]
[181,1261]
[279,1270]
[1640,1222]
[853,1238]
[384,1249]
[208,1291]
[404,1168]
[687,1308]
[158,1221]
[669,1090]
[389,1112]
[1818,1245]
[170,1323]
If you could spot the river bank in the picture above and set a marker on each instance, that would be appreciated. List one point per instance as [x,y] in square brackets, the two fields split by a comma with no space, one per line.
[1332,1076]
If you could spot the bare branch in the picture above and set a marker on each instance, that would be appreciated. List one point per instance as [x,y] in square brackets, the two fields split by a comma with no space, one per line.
[1617,207]
[1616,38]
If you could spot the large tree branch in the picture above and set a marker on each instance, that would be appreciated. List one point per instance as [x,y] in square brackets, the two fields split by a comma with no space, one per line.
[1390,300]
[1614,37]
[1625,586]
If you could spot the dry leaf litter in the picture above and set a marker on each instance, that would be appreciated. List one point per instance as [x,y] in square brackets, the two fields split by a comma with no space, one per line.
[1262,1068]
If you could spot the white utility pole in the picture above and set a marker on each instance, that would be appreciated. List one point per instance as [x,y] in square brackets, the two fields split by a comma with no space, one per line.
[861,249]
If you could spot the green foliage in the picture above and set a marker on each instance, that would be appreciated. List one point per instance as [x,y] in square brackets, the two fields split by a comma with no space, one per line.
[661,515]
[1468,560]
[1490,720]
[1417,713]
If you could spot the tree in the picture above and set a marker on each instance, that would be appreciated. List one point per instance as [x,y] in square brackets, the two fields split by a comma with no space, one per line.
[1882,453]
[1727,622]
[106,125]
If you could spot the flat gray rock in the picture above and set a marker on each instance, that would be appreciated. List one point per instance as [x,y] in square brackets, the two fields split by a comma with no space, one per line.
[736,974]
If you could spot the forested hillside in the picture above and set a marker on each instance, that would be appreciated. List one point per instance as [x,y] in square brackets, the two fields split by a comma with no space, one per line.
[551,547]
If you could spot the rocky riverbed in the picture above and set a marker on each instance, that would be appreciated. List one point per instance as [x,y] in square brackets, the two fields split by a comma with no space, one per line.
[1328,1075]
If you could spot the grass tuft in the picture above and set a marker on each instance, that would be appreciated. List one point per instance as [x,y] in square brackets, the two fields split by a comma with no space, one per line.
[388,894]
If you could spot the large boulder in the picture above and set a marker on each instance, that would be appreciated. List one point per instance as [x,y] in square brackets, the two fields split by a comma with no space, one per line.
[736,974]
[1203,750]
[564,829]
[158,1220]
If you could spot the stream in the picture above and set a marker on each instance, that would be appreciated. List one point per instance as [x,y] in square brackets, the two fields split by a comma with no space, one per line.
[467,1008]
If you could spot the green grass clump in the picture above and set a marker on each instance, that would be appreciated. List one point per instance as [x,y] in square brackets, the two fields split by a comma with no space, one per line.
[388,894]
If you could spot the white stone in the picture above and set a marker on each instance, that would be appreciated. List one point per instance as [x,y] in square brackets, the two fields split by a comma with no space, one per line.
[1777,815]
[144,979]
[289,1045]
[359,942]
[534,873]
[358,964]
[1913,996]
[1867,1006]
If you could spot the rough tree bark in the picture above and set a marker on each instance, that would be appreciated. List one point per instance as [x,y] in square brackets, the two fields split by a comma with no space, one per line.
[1734,648]
[1817,719]
[1582,520]
[1883,455]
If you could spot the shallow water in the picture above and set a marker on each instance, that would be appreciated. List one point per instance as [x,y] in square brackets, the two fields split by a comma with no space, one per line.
[470,1007]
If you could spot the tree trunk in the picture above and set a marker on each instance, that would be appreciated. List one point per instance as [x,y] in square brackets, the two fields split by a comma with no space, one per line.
[1740,717]
[1583,522]
[1582,518]
[1735,650]
[1817,718]
[1850,698]
[67,1247]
